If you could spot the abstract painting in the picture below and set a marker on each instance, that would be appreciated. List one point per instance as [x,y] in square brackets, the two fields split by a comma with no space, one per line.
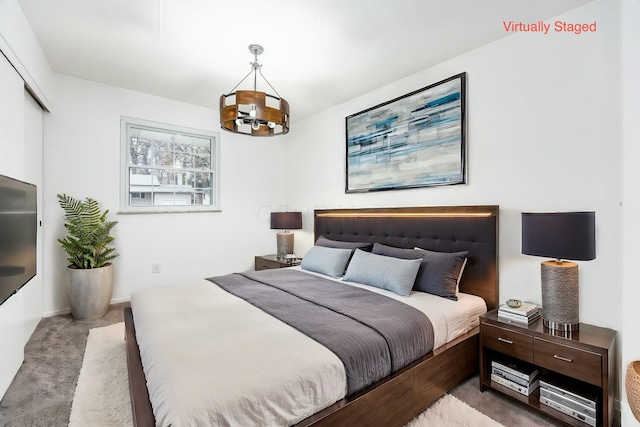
[416,140]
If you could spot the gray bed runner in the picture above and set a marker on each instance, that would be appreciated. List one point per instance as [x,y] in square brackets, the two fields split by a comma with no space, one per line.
[372,334]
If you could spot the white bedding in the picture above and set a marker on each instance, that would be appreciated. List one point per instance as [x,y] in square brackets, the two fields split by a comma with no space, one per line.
[211,358]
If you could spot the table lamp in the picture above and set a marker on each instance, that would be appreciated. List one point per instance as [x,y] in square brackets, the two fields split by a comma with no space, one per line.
[560,235]
[285,221]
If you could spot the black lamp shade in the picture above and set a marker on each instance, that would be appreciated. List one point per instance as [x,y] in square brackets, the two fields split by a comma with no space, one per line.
[560,235]
[286,220]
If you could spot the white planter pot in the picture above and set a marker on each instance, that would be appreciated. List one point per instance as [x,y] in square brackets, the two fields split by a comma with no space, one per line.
[89,291]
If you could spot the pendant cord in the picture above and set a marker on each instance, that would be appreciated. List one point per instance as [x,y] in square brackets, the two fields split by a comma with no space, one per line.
[255,68]
[272,88]
[240,82]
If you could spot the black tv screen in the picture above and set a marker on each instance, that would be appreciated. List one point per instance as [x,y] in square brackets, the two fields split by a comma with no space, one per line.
[18,230]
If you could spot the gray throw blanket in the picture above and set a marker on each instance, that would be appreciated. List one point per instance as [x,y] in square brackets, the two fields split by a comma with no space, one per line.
[373,335]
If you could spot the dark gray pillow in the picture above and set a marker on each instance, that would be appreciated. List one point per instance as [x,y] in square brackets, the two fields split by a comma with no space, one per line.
[323,241]
[329,261]
[393,274]
[380,249]
[439,271]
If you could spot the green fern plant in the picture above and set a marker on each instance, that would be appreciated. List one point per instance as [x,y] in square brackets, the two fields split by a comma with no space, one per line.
[89,233]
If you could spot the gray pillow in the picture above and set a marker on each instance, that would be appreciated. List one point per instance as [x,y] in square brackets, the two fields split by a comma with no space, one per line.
[393,274]
[439,272]
[380,249]
[323,241]
[329,261]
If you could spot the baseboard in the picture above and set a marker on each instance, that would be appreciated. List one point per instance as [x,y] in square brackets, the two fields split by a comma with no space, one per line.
[67,310]
[56,312]
[119,300]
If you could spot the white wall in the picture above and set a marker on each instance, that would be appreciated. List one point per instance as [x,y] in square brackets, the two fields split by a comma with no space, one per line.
[33,290]
[11,164]
[19,44]
[631,182]
[543,134]
[21,158]
[11,121]
[82,155]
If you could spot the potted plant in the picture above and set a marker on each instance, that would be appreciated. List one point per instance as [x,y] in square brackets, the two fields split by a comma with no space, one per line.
[87,245]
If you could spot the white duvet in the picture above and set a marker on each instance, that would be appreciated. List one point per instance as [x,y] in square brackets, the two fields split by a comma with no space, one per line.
[211,358]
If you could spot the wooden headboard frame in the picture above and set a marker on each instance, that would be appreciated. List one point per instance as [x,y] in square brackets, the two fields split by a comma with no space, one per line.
[437,228]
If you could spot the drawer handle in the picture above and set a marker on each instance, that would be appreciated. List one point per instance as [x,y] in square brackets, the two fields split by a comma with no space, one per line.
[564,359]
[504,340]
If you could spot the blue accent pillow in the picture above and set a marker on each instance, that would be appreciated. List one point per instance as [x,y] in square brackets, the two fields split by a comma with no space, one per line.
[439,272]
[329,261]
[393,274]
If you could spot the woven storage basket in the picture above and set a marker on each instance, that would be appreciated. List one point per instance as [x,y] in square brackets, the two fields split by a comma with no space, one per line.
[633,387]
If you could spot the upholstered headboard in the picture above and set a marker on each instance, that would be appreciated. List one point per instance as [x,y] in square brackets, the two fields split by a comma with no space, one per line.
[439,228]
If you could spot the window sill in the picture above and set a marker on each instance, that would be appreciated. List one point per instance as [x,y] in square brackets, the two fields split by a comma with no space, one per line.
[150,212]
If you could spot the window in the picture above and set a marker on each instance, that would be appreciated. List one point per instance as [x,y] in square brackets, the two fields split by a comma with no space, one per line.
[167,168]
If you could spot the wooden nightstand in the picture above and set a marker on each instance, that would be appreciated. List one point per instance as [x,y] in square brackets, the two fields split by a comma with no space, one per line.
[586,358]
[266,262]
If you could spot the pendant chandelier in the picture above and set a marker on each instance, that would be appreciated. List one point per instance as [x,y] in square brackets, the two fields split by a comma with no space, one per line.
[254,113]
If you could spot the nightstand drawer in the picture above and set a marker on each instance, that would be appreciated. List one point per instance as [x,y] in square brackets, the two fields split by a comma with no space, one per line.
[508,342]
[571,361]
[266,264]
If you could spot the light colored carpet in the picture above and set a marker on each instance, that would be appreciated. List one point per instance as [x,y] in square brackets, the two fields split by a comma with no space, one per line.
[102,394]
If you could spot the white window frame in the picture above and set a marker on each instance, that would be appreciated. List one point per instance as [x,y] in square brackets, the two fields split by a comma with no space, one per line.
[125,208]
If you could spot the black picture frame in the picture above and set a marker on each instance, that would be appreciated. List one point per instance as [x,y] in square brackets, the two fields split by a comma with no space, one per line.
[415,140]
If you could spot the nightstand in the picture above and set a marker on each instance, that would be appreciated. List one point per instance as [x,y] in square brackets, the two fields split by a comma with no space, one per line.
[266,262]
[585,358]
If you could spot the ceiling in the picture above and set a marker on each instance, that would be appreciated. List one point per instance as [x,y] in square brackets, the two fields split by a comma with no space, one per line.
[318,53]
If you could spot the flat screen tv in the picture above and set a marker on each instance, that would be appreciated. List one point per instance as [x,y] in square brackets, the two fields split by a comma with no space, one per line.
[18,230]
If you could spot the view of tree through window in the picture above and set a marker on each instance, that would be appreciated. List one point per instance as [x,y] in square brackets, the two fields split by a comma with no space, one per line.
[166,167]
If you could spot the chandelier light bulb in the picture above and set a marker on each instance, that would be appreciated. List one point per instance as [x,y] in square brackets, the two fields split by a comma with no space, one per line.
[255,125]
[271,125]
[239,122]
[252,113]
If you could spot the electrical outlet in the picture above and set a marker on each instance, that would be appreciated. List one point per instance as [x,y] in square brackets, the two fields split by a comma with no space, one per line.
[155,267]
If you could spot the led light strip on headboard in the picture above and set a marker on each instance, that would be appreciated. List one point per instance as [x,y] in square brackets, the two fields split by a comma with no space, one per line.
[403,214]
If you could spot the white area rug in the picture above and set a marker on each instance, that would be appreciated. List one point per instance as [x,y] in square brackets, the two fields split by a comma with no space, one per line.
[102,393]
[451,412]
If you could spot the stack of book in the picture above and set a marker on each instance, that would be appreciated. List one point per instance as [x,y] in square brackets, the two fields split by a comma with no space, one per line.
[564,396]
[526,313]
[520,377]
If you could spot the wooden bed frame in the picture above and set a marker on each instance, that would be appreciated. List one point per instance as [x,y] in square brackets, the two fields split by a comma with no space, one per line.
[398,398]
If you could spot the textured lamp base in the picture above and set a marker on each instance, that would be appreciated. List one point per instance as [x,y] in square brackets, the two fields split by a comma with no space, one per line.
[285,244]
[560,296]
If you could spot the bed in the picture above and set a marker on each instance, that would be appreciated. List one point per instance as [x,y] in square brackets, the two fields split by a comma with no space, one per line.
[395,399]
